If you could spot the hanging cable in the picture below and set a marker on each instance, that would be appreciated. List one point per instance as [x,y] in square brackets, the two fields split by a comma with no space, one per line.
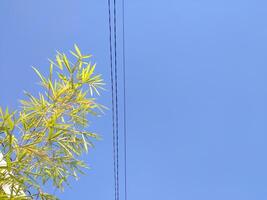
[116,95]
[112,93]
[114,88]
[124,100]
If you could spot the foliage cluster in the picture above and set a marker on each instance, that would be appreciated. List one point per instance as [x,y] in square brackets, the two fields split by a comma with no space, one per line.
[43,140]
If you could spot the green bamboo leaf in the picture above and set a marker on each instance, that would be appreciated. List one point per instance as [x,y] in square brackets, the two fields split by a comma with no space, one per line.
[85,143]
[87,56]
[39,74]
[91,70]
[51,87]
[66,62]
[78,50]
[66,149]
[74,54]
[59,62]
[51,71]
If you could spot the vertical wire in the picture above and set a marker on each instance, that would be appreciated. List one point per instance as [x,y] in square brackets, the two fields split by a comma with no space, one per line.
[112,92]
[116,96]
[124,100]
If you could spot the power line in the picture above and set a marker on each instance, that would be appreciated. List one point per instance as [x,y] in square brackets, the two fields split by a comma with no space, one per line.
[124,100]
[116,95]
[115,107]
[112,93]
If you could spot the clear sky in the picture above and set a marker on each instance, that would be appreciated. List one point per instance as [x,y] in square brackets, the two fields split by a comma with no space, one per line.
[196,89]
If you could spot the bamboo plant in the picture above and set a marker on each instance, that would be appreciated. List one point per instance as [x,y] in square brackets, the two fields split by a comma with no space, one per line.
[42,142]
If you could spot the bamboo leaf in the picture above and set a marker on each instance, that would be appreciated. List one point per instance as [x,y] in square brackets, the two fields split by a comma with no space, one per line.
[59,62]
[66,62]
[78,50]
[74,54]
[39,74]
[85,143]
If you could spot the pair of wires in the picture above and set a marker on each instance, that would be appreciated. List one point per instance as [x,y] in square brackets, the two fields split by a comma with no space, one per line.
[114,91]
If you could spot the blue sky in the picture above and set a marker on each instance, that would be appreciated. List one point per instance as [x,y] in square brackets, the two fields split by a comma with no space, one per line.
[196,90]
